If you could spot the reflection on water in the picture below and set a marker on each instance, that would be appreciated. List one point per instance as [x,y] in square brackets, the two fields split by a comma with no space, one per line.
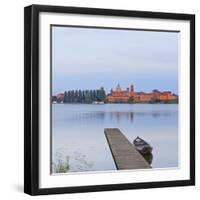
[78,133]
[118,115]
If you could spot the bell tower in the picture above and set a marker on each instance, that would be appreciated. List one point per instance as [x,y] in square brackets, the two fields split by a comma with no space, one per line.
[131,90]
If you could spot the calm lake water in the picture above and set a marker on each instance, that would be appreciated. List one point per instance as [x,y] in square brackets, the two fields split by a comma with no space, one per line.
[78,133]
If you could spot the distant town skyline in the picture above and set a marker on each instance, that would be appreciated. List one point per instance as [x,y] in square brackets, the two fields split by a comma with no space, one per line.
[118,95]
[88,58]
[113,88]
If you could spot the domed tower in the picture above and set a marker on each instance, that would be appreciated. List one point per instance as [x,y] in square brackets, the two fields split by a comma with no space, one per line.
[132,90]
[118,88]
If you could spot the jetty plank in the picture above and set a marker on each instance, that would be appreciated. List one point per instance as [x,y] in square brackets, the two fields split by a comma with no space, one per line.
[124,153]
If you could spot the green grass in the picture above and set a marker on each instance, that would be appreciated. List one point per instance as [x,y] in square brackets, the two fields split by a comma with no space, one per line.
[61,166]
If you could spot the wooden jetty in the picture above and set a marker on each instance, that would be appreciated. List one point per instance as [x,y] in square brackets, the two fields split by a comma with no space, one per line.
[124,153]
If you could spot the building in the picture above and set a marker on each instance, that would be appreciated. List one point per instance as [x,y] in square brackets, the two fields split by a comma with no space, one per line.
[60,97]
[120,95]
[143,97]
[129,95]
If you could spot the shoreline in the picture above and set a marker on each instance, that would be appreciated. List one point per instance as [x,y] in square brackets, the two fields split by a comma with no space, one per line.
[169,103]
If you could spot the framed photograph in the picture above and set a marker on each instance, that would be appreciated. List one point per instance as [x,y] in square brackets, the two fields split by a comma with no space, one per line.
[109,99]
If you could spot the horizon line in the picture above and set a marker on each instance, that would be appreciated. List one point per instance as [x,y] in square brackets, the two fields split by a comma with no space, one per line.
[123,89]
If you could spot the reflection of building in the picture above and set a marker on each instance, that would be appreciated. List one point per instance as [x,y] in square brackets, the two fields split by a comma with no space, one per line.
[129,95]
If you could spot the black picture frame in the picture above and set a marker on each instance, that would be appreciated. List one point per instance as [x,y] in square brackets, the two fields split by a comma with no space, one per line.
[31,98]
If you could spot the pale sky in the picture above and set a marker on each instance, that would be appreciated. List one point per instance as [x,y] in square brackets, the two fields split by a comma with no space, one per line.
[87,58]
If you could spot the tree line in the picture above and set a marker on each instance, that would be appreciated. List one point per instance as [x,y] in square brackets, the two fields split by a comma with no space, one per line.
[83,96]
